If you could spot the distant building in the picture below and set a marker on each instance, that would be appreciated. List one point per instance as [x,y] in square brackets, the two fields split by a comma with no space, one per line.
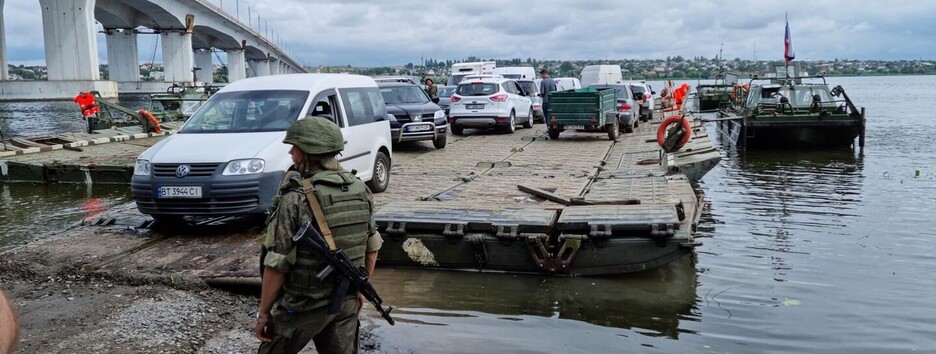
[157,75]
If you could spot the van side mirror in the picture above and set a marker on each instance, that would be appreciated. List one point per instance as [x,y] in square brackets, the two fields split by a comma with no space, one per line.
[652,92]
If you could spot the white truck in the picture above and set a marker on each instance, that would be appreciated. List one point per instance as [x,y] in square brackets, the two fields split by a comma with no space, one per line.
[601,75]
[460,70]
[517,72]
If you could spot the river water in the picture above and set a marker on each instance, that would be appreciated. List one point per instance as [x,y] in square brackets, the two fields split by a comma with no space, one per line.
[804,251]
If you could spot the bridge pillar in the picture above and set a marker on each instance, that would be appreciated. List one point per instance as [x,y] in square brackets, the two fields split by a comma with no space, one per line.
[236,66]
[122,55]
[177,56]
[274,66]
[262,67]
[70,47]
[203,62]
[4,70]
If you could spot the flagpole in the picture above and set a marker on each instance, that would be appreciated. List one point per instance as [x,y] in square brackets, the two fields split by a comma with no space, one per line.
[786,61]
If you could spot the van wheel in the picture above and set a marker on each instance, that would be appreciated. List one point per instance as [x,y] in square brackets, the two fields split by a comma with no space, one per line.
[381,176]
[511,123]
[440,142]
[457,130]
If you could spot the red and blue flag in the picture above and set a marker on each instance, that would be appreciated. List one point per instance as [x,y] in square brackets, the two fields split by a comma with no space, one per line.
[788,54]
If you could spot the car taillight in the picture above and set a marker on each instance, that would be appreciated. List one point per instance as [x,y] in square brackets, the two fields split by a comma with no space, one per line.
[499,98]
[647,96]
[455,98]
[625,107]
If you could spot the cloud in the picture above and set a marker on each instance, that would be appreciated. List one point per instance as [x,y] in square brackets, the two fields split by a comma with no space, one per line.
[371,32]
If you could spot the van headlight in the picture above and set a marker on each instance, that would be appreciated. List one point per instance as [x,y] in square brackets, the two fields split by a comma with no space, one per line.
[142,168]
[438,115]
[244,167]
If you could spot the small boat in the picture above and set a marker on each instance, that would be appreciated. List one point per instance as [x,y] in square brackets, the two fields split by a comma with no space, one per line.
[716,96]
[793,113]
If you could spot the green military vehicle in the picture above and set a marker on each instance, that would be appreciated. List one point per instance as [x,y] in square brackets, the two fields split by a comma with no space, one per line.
[584,109]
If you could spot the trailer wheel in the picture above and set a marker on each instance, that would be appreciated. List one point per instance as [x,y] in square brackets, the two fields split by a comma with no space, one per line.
[613,130]
[554,133]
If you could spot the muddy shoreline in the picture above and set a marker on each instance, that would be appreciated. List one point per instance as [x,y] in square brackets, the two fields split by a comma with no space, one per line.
[63,310]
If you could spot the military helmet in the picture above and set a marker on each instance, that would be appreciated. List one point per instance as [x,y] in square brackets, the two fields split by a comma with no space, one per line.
[315,136]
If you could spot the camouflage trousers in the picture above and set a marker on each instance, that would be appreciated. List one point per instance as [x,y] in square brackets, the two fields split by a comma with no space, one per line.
[331,333]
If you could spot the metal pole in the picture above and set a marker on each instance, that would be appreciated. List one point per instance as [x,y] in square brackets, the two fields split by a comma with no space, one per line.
[249,18]
[221,4]
[237,9]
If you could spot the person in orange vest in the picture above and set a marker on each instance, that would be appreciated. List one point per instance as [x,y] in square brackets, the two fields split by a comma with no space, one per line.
[678,95]
[89,109]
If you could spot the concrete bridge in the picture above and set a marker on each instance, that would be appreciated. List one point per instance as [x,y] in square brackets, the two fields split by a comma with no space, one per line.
[188,30]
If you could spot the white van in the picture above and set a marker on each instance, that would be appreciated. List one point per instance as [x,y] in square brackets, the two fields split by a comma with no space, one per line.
[567,83]
[460,70]
[517,72]
[601,75]
[229,157]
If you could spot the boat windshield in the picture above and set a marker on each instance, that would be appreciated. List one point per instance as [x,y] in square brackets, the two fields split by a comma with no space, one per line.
[797,96]
[247,112]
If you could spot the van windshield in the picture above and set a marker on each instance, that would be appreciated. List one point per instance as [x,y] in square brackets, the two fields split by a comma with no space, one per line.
[247,112]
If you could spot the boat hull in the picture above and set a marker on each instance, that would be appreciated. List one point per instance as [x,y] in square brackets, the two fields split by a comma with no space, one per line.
[790,134]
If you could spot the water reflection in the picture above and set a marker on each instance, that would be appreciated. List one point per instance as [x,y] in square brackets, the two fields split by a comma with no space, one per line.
[28,210]
[51,118]
[651,303]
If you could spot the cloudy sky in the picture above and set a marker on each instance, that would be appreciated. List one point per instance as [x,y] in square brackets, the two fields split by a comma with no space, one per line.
[391,32]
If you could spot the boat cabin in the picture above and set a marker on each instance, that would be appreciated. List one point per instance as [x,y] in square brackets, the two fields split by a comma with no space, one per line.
[791,99]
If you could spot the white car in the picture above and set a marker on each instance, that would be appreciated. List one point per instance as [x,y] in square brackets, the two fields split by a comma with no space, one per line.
[229,157]
[490,103]
[643,94]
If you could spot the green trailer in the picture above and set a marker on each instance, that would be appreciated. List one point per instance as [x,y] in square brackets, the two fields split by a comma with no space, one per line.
[583,109]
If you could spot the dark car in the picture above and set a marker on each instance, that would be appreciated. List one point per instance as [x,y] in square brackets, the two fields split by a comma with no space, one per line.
[532,90]
[628,109]
[415,117]
[445,97]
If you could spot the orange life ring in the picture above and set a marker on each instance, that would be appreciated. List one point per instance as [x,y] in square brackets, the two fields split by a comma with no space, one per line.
[151,119]
[675,119]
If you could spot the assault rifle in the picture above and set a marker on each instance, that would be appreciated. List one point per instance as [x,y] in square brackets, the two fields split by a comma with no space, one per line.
[348,273]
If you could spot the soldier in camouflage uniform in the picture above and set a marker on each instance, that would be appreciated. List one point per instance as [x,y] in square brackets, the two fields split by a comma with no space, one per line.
[301,315]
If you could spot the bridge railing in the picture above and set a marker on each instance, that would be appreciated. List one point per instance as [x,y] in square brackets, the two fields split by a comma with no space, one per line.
[242,12]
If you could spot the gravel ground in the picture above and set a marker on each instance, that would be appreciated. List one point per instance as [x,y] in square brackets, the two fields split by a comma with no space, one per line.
[77,314]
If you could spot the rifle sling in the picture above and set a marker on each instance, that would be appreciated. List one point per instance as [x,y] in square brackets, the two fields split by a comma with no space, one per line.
[312,198]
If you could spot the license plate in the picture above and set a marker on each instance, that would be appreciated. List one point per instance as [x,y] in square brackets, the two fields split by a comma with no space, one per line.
[178,192]
[571,127]
[419,128]
[474,106]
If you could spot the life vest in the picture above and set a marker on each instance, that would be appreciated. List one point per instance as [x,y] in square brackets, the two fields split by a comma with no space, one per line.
[348,212]
[87,104]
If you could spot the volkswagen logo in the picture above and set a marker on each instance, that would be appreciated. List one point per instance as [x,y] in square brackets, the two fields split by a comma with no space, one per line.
[182,171]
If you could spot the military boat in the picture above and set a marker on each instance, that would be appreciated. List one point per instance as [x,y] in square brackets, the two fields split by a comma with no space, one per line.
[795,112]
[718,95]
